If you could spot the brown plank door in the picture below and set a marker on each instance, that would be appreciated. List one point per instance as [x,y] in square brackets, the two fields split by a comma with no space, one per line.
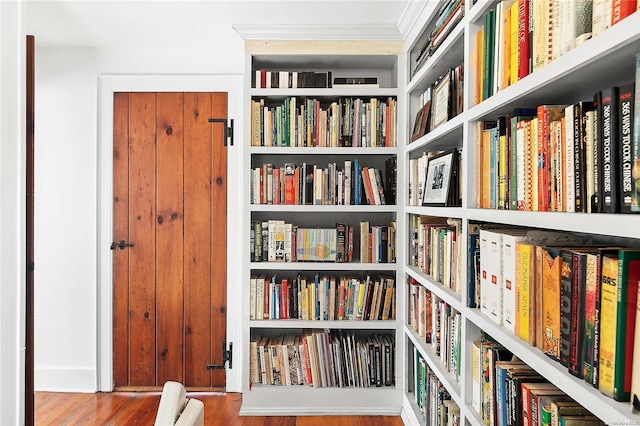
[170,202]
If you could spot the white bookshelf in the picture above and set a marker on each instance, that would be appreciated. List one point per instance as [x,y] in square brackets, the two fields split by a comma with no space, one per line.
[351,59]
[603,61]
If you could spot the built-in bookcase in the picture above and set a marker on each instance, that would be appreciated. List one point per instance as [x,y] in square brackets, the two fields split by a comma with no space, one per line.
[305,144]
[604,61]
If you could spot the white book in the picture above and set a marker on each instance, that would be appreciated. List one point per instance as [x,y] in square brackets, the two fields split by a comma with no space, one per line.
[569,168]
[288,230]
[509,313]
[271,254]
[252,297]
[347,182]
[259,314]
[491,275]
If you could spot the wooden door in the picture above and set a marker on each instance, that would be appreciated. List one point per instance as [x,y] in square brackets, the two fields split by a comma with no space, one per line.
[170,201]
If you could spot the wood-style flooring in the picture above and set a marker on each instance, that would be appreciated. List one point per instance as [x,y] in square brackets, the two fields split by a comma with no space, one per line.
[139,408]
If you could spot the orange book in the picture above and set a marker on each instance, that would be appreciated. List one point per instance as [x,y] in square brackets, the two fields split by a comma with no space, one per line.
[289,192]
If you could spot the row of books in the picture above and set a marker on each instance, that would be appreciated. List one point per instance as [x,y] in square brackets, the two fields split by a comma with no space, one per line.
[573,158]
[311,184]
[519,37]
[436,250]
[433,400]
[276,79]
[449,15]
[440,102]
[438,323]
[322,297]
[508,392]
[568,296]
[305,122]
[322,358]
[276,240]
[422,183]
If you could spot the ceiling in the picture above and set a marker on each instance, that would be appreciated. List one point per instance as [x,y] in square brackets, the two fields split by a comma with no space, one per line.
[196,24]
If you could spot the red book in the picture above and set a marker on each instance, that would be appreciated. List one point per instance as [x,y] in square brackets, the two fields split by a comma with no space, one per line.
[546,115]
[523,38]
[284,299]
[263,78]
[620,9]
[289,186]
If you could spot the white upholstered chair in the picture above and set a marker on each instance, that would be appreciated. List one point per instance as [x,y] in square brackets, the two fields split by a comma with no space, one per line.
[175,409]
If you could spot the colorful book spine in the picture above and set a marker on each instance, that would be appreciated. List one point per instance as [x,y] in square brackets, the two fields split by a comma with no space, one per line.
[625,132]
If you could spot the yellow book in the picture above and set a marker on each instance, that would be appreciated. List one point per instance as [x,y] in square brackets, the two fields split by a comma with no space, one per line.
[513,49]
[479,65]
[361,293]
[506,43]
[524,268]
[608,321]
[551,286]
[533,164]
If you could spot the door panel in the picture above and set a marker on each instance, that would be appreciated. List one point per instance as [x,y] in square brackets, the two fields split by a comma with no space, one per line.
[197,246]
[120,229]
[170,288]
[218,232]
[142,232]
[169,235]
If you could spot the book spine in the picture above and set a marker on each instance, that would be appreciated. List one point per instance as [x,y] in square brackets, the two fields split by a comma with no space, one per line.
[565,306]
[608,324]
[628,277]
[569,187]
[523,38]
[635,194]
[609,149]
[625,156]
[576,353]
[578,162]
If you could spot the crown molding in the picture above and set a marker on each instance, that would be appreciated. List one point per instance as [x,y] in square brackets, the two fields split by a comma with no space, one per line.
[318,32]
[414,12]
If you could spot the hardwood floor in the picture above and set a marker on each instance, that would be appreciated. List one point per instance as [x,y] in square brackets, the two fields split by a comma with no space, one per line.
[139,408]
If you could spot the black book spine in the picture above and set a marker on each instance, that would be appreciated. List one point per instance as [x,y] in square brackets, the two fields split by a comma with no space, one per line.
[608,150]
[576,355]
[565,307]
[625,130]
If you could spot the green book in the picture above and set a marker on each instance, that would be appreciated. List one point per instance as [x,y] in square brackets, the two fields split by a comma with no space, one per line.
[489,40]
[628,276]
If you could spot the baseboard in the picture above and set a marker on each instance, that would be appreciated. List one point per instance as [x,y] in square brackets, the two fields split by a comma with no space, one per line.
[65,380]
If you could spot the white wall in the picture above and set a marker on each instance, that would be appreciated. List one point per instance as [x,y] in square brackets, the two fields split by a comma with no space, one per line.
[12,213]
[66,217]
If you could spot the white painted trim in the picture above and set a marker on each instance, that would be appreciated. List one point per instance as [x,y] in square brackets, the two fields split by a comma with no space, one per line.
[58,379]
[107,86]
[318,32]
[410,16]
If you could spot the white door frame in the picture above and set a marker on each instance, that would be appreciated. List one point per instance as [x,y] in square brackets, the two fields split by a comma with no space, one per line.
[107,86]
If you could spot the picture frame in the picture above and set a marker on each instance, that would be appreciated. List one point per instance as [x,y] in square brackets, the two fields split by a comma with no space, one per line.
[437,182]
[442,100]
[421,123]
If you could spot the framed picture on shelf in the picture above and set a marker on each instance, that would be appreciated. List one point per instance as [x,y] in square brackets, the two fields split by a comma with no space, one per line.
[437,182]
[421,124]
[441,100]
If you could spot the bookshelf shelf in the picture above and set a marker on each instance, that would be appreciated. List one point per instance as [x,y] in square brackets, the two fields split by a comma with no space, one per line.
[264,399]
[453,212]
[606,60]
[281,150]
[617,225]
[345,325]
[446,294]
[268,400]
[387,208]
[330,93]
[322,266]
[448,134]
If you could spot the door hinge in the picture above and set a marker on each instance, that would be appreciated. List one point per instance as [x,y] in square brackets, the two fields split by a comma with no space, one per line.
[227,355]
[228,129]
